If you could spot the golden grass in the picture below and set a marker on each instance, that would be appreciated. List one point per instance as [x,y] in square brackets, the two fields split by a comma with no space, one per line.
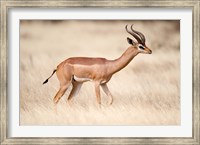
[146,92]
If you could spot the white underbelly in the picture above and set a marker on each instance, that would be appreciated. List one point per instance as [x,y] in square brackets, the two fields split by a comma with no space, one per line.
[103,81]
[79,79]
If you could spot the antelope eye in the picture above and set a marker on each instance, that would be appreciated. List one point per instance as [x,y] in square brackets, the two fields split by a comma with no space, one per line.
[141,47]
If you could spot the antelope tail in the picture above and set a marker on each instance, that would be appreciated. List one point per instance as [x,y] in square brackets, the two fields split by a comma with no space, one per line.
[49,77]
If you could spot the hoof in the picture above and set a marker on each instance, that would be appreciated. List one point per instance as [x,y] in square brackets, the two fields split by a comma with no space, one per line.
[110,103]
[55,100]
[69,102]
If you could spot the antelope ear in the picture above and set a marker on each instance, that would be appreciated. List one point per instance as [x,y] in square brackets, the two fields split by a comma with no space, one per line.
[130,41]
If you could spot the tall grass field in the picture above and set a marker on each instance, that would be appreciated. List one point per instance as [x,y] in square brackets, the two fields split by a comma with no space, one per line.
[146,92]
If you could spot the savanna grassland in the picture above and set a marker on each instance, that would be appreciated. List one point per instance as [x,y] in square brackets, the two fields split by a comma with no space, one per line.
[146,92]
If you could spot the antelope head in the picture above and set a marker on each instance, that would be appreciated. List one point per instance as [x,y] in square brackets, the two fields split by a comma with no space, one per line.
[140,45]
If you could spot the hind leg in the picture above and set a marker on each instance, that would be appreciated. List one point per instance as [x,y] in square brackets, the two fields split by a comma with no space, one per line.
[76,86]
[65,78]
[61,92]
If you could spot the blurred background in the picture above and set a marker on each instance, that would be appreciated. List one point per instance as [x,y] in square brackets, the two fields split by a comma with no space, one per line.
[146,92]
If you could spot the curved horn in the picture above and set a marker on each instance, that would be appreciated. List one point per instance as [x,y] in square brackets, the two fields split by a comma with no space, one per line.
[134,35]
[140,34]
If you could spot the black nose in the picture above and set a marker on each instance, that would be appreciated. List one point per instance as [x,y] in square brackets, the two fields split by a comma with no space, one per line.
[150,51]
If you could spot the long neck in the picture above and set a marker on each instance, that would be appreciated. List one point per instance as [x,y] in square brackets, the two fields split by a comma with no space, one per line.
[121,62]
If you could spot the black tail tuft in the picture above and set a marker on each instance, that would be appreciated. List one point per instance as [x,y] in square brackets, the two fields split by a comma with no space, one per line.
[45,81]
[50,76]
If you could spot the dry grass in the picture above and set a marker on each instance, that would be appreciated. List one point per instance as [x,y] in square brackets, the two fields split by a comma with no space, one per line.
[146,92]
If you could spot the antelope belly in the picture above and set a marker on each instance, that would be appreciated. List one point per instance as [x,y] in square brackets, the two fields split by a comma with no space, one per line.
[79,79]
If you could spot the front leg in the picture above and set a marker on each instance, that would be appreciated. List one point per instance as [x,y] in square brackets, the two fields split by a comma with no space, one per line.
[108,93]
[97,91]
